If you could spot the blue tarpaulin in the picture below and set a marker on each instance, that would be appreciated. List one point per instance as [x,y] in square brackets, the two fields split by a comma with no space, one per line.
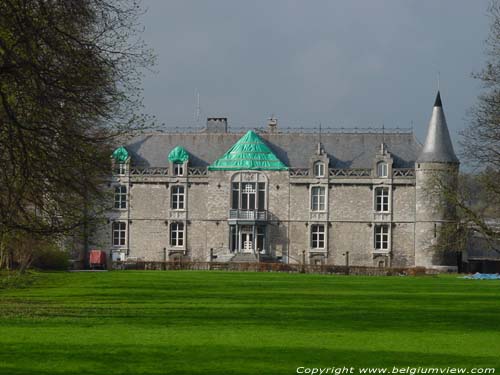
[483,276]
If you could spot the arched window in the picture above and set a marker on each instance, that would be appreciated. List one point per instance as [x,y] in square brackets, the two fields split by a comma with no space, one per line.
[319,169]
[382,169]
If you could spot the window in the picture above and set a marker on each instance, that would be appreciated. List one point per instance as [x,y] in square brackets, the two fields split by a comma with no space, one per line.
[177,234]
[318,198]
[319,169]
[121,196]
[236,196]
[233,238]
[178,169]
[261,199]
[317,236]
[120,169]
[177,197]
[261,233]
[382,169]
[248,196]
[382,199]
[248,192]
[381,237]
[119,232]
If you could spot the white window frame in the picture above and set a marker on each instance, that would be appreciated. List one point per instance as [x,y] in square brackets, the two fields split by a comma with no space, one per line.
[260,233]
[178,169]
[381,237]
[179,239]
[178,197]
[319,169]
[382,169]
[119,233]
[318,230]
[120,169]
[382,199]
[120,197]
[261,186]
[321,199]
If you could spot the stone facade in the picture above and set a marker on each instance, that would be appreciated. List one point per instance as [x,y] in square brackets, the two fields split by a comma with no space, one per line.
[359,198]
[348,218]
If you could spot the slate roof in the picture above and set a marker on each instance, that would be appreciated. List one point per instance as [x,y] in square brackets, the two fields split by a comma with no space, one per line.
[438,147]
[294,149]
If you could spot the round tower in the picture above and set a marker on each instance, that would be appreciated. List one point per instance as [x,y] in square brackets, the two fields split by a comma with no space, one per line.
[436,173]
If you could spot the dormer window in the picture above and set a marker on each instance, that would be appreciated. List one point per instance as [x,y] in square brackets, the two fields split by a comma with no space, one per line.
[319,169]
[121,158]
[382,169]
[178,157]
[178,169]
[120,169]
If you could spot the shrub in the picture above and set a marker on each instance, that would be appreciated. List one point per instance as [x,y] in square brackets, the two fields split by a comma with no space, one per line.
[51,258]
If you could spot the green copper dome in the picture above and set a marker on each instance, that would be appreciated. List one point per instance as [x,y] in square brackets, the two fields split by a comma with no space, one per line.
[120,154]
[178,155]
[250,152]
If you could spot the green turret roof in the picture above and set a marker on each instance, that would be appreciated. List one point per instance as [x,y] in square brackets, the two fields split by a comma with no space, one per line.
[178,155]
[250,152]
[120,154]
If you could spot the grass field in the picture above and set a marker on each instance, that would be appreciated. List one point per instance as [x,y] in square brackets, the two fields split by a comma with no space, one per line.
[155,322]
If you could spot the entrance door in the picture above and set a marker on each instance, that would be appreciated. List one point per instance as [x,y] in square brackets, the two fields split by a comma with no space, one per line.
[247,239]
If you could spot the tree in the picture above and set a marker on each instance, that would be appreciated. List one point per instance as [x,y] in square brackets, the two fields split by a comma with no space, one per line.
[69,86]
[481,140]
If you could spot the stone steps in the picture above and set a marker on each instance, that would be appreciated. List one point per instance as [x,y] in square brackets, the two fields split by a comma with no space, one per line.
[243,258]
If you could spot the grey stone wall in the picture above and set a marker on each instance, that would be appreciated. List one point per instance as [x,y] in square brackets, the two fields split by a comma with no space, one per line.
[432,210]
[349,220]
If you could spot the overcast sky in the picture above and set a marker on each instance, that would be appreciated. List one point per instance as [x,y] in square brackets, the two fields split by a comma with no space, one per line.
[339,62]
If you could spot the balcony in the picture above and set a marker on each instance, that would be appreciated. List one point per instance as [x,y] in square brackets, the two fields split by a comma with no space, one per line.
[247,215]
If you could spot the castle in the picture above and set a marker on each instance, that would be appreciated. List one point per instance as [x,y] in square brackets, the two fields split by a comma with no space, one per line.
[270,195]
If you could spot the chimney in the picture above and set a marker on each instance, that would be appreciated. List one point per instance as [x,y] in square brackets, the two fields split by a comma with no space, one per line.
[272,125]
[216,125]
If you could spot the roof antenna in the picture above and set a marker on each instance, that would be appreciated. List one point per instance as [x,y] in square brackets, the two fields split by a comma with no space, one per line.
[197,113]
[382,146]
[438,74]
[319,139]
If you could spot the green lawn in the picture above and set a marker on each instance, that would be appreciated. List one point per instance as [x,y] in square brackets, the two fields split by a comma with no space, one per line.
[182,322]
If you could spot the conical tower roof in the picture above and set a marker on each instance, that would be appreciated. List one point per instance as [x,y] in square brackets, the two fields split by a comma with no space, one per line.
[438,147]
[250,152]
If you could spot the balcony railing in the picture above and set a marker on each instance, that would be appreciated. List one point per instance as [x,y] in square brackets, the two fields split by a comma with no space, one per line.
[403,172]
[247,215]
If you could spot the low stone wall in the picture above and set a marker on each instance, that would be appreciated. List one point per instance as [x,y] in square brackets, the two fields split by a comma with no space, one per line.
[273,267]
